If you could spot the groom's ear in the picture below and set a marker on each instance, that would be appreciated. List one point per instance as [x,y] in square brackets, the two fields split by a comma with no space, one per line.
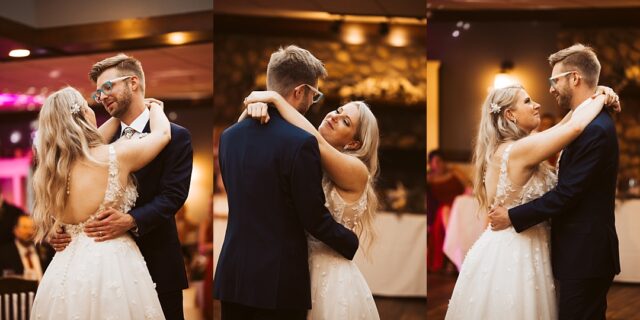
[135,83]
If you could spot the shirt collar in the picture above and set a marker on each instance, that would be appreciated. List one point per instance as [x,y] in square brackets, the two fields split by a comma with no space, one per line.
[139,123]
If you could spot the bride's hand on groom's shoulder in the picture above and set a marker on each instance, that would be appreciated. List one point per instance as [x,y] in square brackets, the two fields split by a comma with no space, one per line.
[258,111]
[612,101]
[149,102]
[499,218]
[261,96]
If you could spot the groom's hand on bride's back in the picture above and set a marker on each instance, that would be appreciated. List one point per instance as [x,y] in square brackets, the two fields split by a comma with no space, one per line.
[59,240]
[499,218]
[109,224]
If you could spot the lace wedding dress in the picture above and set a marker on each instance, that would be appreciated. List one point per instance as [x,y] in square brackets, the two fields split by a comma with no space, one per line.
[99,280]
[338,289]
[507,275]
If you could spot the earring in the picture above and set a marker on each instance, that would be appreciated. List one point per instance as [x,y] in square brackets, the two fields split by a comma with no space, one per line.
[515,121]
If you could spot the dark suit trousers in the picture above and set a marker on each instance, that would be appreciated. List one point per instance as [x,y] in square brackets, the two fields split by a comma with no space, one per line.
[234,311]
[171,303]
[583,299]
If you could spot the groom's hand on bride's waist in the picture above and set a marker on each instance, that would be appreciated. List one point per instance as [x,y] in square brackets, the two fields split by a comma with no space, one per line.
[59,240]
[499,218]
[109,224]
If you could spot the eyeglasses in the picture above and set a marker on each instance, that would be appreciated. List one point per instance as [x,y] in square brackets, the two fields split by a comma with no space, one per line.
[317,95]
[553,80]
[107,87]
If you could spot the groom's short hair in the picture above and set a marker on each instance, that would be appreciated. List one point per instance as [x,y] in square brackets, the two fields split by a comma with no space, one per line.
[580,57]
[126,65]
[292,66]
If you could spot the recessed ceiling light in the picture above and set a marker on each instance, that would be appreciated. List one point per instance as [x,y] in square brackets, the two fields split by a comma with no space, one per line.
[19,53]
[177,38]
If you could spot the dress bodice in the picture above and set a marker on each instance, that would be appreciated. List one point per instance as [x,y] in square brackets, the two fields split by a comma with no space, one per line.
[119,197]
[507,195]
[347,214]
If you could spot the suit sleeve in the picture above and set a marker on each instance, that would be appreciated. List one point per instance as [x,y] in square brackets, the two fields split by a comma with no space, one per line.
[309,202]
[174,188]
[578,177]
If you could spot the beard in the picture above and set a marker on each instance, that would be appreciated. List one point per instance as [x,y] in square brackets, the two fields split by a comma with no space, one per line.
[564,99]
[124,101]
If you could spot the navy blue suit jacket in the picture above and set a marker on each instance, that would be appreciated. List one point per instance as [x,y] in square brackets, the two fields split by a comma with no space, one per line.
[273,178]
[163,186]
[584,243]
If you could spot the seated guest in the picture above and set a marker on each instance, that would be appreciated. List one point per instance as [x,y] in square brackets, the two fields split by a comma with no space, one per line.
[22,256]
[8,216]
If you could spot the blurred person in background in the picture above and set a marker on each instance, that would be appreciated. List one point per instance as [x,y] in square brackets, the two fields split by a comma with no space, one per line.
[444,185]
[22,256]
[8,217]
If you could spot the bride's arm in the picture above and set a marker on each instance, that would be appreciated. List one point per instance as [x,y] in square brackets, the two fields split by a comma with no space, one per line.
[108,129]
[347,172]
[535,148]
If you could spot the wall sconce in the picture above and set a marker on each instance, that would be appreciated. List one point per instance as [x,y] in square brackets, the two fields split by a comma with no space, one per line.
[504,79]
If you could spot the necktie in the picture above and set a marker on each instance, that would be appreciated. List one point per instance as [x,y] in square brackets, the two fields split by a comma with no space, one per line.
[28,256]
[128,132]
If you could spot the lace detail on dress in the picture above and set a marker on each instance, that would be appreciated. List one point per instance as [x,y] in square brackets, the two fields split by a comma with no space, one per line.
[116,196]
[348,214]
[504,184]
[541,181]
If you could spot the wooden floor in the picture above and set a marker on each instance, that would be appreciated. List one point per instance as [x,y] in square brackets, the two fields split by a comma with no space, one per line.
[623,299]
[388,308]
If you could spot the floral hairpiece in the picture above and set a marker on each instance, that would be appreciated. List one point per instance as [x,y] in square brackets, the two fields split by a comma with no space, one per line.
[75,108]
[494,108]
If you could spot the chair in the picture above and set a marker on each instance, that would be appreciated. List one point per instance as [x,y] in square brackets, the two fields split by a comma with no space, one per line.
[16,298]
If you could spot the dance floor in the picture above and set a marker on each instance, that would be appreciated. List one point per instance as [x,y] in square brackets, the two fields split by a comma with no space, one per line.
[388,308]
[623,299]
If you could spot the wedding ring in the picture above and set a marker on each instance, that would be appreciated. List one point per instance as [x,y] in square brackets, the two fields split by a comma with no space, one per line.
[100,233]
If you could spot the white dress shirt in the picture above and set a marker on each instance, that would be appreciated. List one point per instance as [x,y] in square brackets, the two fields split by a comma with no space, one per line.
[34,273]
[138,124]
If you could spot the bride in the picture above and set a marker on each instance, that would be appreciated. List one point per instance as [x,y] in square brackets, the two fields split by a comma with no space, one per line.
[507,275]
[78,174]
[348,142]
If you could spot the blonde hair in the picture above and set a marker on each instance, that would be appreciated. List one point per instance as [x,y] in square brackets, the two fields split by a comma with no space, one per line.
[126,65]
[368,135]
[64,136]
[580,57]
[292,66]
[494,129]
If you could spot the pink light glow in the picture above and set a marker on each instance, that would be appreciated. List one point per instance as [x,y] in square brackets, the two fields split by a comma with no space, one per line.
[20,101]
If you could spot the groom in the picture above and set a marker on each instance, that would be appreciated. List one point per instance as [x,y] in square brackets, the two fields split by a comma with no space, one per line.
[272,175]
[163,185]
[583,235]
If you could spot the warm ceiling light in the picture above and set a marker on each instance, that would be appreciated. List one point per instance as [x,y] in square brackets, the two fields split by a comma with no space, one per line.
[353,34]
[398,37]
[19,53]
[177,38]
[503,80]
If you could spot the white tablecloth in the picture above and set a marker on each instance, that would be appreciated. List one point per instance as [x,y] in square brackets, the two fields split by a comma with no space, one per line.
[627,227]
[464,228]
[398,258]
[397,263]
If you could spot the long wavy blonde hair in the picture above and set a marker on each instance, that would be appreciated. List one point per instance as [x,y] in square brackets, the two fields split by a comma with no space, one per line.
[64,136]
[368,135]
[494,130]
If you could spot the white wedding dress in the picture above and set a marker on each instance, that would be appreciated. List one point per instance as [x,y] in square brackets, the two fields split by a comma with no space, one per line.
[99,280]
[507,275]
[338,289]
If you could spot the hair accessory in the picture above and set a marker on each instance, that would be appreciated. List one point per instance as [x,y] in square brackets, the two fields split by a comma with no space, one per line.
[494,108]
[75,108]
